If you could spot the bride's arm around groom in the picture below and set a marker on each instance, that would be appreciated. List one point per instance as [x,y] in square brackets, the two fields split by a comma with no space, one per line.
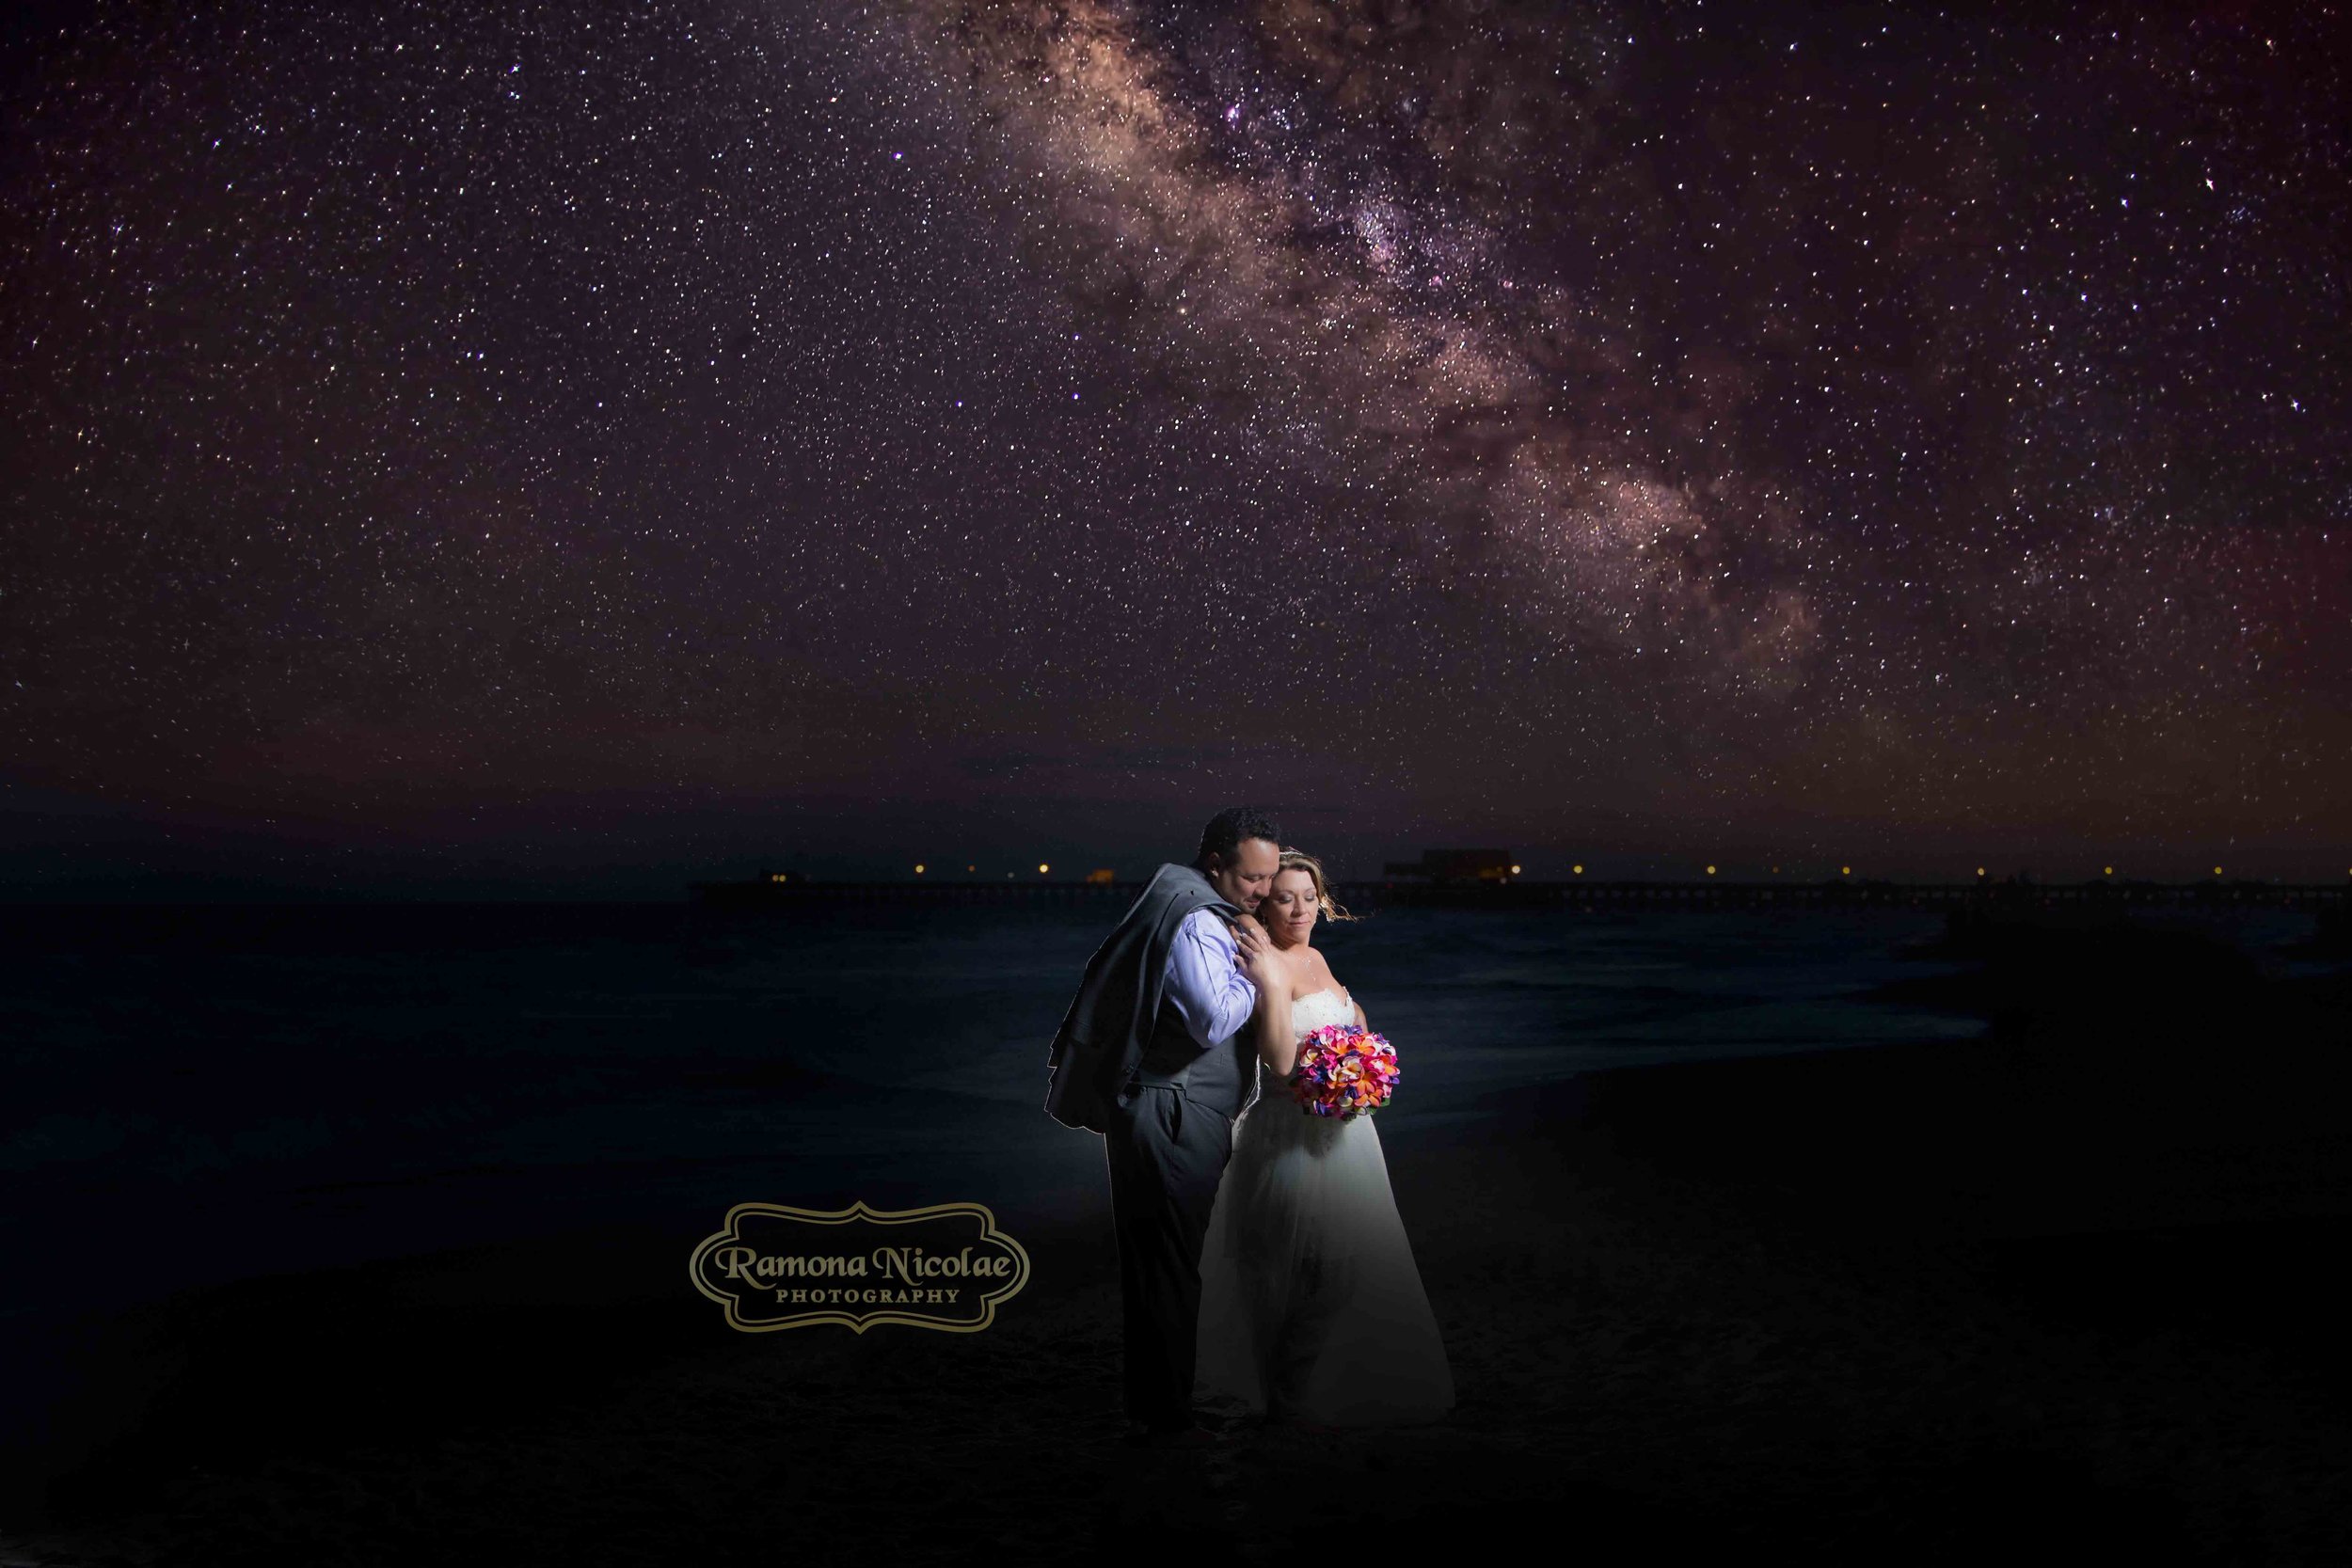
[1270,1022]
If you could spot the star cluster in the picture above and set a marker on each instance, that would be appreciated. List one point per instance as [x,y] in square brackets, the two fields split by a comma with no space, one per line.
[1563,425]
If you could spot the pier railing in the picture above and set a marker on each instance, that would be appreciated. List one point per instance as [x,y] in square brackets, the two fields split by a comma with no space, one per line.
[1579,894]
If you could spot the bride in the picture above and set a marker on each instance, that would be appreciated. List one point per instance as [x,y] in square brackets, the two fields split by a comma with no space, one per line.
[1311,1308]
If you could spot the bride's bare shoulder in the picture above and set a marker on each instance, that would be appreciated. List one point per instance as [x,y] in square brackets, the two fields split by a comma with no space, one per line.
[1301,971]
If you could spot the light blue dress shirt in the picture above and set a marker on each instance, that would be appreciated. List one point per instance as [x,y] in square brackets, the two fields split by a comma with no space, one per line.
[1211,994]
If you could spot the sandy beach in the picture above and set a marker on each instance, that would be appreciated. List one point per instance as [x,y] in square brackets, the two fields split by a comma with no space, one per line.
[2063,1285]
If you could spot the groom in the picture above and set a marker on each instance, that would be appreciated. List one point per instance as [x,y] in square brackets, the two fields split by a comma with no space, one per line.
[1156,1054]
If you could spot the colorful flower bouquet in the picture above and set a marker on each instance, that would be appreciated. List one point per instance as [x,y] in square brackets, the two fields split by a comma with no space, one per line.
[1343,1071]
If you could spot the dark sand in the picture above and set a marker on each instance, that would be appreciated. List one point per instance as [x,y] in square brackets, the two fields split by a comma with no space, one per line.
[2067,1290]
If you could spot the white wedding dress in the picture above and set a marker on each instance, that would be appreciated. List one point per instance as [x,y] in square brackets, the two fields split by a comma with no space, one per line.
[1312,1307]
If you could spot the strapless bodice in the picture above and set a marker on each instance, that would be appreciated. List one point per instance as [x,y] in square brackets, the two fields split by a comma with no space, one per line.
[1309,1013]
[1319,1008]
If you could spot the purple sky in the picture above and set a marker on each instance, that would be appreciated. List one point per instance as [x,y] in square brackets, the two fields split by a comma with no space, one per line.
[452,448]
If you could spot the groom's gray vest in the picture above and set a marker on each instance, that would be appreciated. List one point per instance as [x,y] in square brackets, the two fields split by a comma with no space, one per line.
[1121,1030]
[1224,1077]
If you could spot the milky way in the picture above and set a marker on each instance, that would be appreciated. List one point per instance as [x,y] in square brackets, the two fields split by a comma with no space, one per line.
[1312,270]
[669,435]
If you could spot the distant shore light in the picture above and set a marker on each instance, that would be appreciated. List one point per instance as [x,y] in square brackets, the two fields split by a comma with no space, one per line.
[918,868]
[2216,871]
[1514,871]
[1040,868]
[1845,871]
[2108,870]
[1981,871]
[1579,871]
[1711,871]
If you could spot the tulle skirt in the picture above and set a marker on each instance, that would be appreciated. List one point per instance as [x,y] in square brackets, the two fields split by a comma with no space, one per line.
[1311,1306]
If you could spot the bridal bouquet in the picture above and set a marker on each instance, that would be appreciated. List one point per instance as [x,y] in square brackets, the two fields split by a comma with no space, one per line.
[1343,1071]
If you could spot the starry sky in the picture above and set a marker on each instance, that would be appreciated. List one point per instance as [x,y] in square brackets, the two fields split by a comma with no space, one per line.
[583,447]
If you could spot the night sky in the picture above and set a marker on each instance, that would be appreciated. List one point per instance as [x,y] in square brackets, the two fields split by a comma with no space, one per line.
[587,447]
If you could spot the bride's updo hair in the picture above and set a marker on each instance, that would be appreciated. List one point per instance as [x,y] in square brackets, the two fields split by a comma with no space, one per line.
[1298,860]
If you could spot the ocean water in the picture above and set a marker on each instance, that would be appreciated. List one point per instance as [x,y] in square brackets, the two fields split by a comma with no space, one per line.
[203,1094]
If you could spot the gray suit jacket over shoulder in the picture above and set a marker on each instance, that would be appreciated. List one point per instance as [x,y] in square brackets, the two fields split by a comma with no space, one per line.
[1099,1046]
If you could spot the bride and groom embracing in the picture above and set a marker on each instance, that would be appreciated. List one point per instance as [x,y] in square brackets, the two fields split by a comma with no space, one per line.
[1262,1267]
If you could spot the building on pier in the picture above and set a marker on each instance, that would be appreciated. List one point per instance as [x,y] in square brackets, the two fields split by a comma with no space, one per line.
[1446,867]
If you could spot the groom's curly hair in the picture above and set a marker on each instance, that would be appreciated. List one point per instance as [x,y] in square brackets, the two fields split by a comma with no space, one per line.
[1223,835]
